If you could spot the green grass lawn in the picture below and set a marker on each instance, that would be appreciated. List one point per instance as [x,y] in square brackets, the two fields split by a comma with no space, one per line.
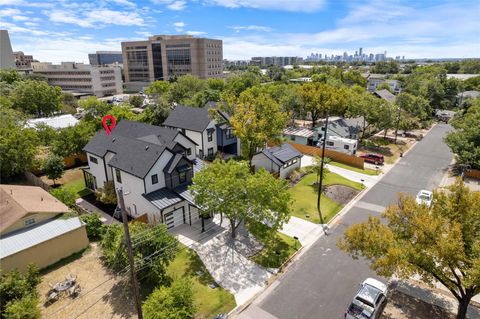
[305,197]
[366,171]
[77,185]
[283,244]
[210,302]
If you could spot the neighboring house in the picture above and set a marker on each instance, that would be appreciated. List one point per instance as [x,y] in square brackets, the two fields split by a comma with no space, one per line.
[212,135]
[279,160]
[55,122]
[340,144]
[151,168]
[467,95]
[33,229]
[374,80]
[386,95]
[300,135]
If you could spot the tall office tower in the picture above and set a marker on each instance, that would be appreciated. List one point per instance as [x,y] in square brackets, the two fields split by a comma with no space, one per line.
[360,51]
[105,57]
[7,60]
[162,57]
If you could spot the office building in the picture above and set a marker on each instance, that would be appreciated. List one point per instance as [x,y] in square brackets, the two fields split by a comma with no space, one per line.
[275,60]
[162,57]
[23,62]
[81,78]
[105,57]
[7,61]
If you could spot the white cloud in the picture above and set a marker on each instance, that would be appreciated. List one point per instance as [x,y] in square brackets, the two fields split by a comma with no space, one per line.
[175,5]
[179,26]
[20,18]
[25,3]
[95,18]
[251,28]
[144,34]
[125,3]
[195,33]
[31,24]
[279,5]
[9,12]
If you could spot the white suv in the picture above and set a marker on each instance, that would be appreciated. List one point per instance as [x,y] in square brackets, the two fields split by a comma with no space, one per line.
[369,301]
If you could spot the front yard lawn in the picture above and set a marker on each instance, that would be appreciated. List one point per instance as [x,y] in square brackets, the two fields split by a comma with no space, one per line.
[276,251]
[210,302]
[71,179]
[305,197]
[366,171]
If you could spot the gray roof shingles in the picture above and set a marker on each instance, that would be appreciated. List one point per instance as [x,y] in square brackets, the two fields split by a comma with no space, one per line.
[189,118]
[281,154]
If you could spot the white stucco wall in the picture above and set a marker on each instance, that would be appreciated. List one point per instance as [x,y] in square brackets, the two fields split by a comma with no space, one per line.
[133,188]
[187,144]
[197,138]
[260,160]
[157,168]
[213,143]
[97,170]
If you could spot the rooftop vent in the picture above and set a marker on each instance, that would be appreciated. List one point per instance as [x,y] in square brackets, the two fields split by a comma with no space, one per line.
[147,147]
[113,139]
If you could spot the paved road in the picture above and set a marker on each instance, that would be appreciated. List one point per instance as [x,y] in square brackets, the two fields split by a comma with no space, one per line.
[323,282]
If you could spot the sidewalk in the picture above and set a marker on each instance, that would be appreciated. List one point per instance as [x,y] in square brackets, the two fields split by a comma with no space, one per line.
[105,218]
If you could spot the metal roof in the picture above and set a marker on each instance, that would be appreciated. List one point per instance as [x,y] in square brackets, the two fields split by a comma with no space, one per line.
[386,95]
[281,154]
[28,237]
[303,132]
[183,192]
[56,122]
[163,198]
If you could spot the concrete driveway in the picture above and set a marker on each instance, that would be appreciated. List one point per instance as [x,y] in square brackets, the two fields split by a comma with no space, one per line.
[227,260]
[306,232]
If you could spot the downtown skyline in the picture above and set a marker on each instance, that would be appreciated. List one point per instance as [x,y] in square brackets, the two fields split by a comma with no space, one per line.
[63,30]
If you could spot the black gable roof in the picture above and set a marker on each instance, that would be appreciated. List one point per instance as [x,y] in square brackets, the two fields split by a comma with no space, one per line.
[189,118]
[136,146]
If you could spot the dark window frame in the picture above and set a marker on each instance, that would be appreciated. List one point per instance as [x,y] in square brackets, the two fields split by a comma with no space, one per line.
[154,179]
[93,159]
[182,177]
[118,175]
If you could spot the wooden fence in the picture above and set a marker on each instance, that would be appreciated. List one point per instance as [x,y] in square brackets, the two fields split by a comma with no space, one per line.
[69,161]
[334,155]
[473,173]
[35,181]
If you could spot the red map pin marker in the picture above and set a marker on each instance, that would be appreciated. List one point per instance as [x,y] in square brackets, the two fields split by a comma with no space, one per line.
[113,121]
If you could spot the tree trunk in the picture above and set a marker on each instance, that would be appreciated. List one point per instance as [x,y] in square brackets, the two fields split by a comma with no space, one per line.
[221,218]
[54,184]
[234,229]
[463,306]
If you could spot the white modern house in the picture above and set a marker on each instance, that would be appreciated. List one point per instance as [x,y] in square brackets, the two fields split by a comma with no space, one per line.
[150,167]
[212,134]
[279,160]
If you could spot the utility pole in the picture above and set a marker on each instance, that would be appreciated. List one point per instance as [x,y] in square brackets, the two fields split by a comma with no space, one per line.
[136,290]
[320,183]
[398,124]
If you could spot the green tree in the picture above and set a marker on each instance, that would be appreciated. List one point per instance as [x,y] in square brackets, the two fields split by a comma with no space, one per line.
[71,140]
[465,140]
[136,101]
[171,302]
[37,98]
[10,76]
[54,167]
[95,110]
[17,144]
[157,89]
[121,112]
[148,241]
[94,226]
[24,308]
[14,286]
[184,88]
[321,100]
[238,83]
[472,84]
[216,84]
[438,244]
[256,119]
[229,189]
[65,195]
[69,103]
[384,86]
[386,67]
[46,134]
[354,77]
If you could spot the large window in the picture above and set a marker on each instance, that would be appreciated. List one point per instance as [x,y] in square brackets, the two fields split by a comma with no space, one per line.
[29,221]
[210,135]
[346,147]
[189,151]
[229,134]
[178,61]
[154,179]
[118,174]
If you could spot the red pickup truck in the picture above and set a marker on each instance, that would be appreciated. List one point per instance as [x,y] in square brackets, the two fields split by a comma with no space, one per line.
[376,159]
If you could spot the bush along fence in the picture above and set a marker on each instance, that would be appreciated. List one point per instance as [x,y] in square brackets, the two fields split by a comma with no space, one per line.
[333,155]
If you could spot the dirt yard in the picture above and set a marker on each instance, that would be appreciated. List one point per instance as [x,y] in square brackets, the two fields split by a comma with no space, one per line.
[401,306]
[70,175]
[102,294]
[340,193]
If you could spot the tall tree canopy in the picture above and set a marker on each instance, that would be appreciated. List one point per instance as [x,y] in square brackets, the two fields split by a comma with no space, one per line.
[256,119]
[37,98]
[465,140]
[441,243]
[230,189]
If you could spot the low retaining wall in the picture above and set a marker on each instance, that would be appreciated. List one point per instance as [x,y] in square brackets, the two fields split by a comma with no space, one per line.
[334,155]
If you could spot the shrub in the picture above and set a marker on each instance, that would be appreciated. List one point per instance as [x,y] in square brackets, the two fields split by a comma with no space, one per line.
[54,167]
[65,195]
[175,301]
[24,308]
[107,194]
[95,227]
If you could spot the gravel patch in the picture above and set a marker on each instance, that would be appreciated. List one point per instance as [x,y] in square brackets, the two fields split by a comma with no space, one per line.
[340,193]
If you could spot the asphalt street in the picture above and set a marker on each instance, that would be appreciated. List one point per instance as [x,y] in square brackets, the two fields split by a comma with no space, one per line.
[323,282]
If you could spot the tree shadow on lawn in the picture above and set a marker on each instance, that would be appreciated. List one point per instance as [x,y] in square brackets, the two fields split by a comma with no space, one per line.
[196,268]
[120,298]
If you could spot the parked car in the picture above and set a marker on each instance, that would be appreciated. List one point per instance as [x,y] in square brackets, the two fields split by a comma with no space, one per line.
[369,301]
[424,197]
[372,158]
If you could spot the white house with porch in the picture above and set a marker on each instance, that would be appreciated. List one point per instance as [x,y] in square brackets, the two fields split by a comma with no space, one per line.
[150,166]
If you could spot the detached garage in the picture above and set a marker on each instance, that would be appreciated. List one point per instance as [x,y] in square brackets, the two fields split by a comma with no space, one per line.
[279,160]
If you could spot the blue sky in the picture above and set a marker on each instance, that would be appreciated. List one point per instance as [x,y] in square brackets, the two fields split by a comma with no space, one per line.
[67,30]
